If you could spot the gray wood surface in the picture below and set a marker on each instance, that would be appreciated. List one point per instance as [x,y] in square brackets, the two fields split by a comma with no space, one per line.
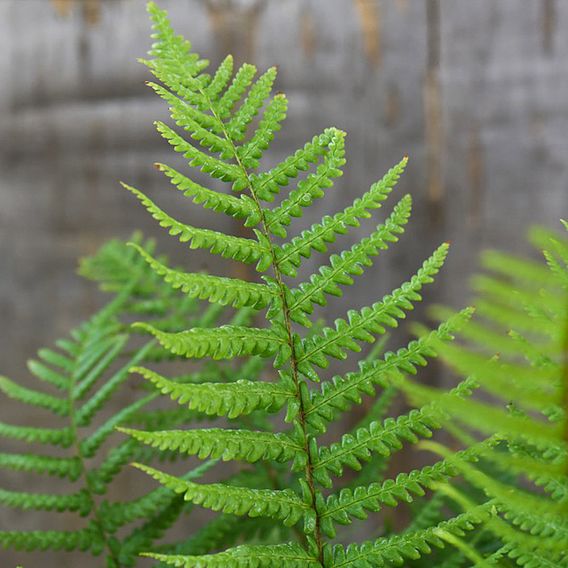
[476,93]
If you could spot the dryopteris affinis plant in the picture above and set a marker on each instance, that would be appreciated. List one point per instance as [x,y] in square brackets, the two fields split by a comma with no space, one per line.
[84,372]
[218,112]
[516,351]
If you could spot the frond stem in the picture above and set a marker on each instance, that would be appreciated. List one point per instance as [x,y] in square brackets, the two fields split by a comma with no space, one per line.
[288,323]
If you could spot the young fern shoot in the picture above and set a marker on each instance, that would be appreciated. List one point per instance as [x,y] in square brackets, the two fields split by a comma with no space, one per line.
[217,112]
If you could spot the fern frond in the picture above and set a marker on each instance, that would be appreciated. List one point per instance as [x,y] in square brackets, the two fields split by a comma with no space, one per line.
[59,467]
[222,107]
[283,504]
[224,342]
[342,391]
[241,207]
[408,546]
[313,186]
[236,248]
[218,443]
[32,397]
[315,238]
[245,556]
[222,399]
[215,289]
[87,368]
[350,263]
[362,325]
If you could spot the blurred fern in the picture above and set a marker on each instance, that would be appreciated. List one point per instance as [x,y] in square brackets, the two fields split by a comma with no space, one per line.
[81,375]
[219,113]
[516,351]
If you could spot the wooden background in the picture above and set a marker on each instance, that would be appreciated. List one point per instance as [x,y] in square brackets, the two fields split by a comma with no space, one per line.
[475,92]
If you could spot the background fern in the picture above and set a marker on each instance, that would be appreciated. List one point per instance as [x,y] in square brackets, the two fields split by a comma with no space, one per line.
[218,112]
[516,351]
[82,373]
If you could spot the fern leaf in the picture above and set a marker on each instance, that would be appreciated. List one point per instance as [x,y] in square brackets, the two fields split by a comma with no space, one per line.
[289,257]
[313,186]
[274,114]
[56,436]
[202,127]
[267,184]
[222,399]
[386,437]
[46,502]
[241,207]
[235,248]
[33,397]
[283,505]
[214,167]
[223,291]
[370,320]
[239,85]
[259,92]
[47,374]
[245,556]
[60,467]
[409,546]
[85,539]
[348,503]
[224,342]
[217,443]
[350,263]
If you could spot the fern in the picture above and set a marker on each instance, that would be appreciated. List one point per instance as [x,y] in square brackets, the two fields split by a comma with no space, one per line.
[516,352]
[220,136]
[81,374]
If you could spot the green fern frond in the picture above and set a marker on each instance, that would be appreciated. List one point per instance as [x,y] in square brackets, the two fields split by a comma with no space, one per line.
[350,263]
[222,399]
[223,342]
[283,504]
[245,556]
[218,443]
[215,289]
[409,546]
[235,248]
[86,370]
[523,306]
[362,325]
[228,144]
[341,393]
[84,540]
[317,237]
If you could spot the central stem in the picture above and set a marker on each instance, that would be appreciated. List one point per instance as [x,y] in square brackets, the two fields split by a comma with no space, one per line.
[288,324]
